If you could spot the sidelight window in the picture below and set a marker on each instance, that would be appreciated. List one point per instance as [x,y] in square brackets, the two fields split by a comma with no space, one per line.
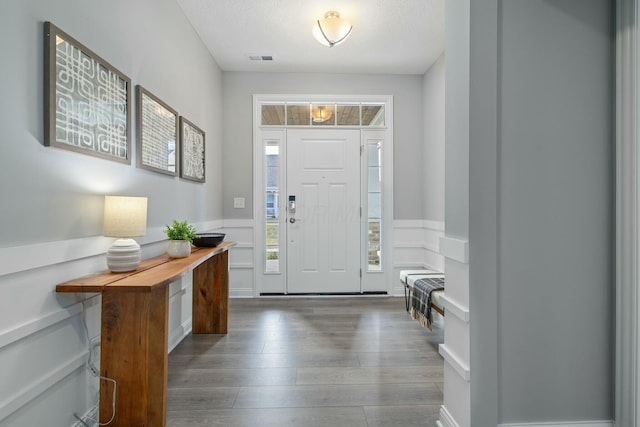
[272,206]
[374,205]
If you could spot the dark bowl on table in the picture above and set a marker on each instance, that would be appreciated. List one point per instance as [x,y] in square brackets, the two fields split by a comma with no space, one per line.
[208,240]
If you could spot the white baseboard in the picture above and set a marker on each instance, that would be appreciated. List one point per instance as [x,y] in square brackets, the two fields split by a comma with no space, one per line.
[446,419]
[179,334]
[241,293]
[398,291]
[562,424]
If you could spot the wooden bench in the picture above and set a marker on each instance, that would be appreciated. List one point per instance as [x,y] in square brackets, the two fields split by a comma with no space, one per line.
[408,279]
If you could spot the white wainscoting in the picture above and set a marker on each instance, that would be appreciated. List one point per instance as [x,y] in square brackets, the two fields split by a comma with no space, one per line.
[45,348]
[455,362]
[456,406]
[88,418]
[241,256]
[180,310]
[446,420]
[454,308]
[416,245]
[45,337]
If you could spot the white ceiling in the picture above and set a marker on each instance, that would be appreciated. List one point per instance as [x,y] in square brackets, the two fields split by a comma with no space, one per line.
[389,36]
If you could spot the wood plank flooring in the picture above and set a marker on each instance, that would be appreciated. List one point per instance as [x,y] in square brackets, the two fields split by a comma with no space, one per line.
[338,361]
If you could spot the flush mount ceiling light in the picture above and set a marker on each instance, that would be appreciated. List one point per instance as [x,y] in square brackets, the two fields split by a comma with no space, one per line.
[332,30]
[321,114]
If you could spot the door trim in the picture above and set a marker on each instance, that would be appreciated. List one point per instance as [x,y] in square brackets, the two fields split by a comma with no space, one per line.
[371,281]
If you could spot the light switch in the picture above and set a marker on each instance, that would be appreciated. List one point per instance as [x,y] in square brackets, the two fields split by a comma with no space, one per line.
[238,202]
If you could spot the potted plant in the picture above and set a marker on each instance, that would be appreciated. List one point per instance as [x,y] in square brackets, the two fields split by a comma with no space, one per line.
[180,235]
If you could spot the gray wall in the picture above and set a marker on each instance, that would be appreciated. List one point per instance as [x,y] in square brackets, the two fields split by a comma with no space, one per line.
[434,142]
[456,205]
[541,210]
[51,199]
[52,194]
[556,207]
[408,131]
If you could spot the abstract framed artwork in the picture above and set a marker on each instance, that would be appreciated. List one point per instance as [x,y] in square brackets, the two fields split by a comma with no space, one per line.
[191,151]
[157,133]
[86,100]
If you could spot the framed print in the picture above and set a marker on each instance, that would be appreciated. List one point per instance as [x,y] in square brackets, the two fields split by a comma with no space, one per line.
[86,100]
[191,151]
[157,133]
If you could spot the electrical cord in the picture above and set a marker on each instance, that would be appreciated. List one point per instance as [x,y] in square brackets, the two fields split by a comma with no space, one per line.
[96,372]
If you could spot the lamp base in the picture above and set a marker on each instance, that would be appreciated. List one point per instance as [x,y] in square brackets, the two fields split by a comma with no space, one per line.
[123,255]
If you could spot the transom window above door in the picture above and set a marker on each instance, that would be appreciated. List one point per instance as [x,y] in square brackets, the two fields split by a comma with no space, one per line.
[323,114]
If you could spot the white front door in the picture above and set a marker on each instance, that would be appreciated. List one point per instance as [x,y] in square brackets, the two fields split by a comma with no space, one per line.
[323,236]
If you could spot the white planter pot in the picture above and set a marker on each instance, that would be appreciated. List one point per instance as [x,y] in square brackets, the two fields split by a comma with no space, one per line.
[179,248]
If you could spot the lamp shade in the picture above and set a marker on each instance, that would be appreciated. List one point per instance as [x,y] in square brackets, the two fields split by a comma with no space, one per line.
[125,216]
[331,30]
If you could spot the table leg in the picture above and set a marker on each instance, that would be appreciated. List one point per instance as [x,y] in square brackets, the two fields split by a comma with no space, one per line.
[211,295]
[134,353]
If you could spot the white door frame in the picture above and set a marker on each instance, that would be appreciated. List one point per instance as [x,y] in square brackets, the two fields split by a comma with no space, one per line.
[371,281]
[627,348]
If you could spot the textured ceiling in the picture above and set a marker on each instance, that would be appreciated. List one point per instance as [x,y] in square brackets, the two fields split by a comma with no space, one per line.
[389,36]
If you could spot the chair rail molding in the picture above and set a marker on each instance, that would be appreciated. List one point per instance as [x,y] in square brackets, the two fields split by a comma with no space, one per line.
[36,255]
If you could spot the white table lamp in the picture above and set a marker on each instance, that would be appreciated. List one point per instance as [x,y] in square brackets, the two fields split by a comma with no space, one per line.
[125,218]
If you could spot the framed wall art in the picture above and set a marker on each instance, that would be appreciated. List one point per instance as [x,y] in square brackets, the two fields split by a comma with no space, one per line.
[157,133]
[191,151]
[86,100]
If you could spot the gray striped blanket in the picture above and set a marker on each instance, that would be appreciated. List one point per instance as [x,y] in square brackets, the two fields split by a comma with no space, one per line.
[421,299]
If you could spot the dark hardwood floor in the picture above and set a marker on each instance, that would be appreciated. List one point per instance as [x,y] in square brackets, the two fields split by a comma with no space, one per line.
[337,361]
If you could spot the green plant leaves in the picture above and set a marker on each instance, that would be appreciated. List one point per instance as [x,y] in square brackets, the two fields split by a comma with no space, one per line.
[180,230]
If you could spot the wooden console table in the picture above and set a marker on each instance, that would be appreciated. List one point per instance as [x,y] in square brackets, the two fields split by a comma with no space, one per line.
[134,332]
